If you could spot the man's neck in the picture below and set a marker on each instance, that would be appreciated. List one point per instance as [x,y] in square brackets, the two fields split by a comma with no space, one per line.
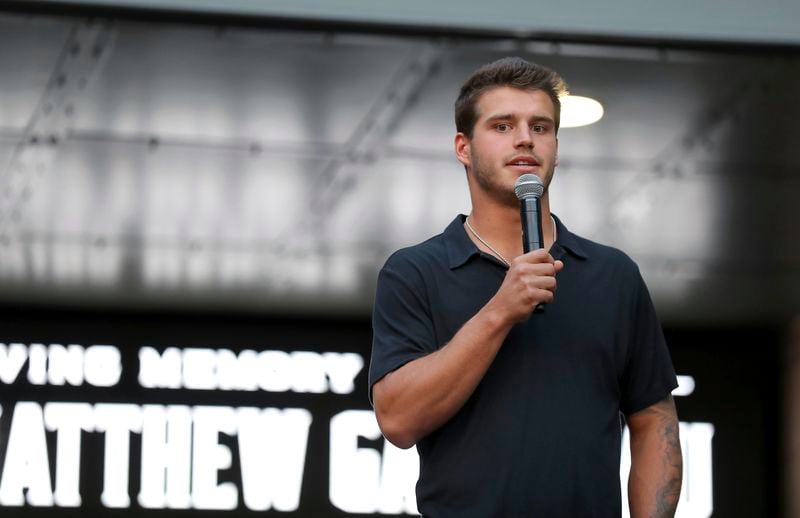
[499,225]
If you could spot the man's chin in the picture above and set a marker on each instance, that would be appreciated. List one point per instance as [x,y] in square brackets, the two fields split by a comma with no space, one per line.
[508,198]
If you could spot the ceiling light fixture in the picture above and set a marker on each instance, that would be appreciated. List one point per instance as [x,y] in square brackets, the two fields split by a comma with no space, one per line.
[579,111]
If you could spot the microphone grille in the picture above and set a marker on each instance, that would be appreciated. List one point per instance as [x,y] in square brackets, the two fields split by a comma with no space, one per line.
[527,186]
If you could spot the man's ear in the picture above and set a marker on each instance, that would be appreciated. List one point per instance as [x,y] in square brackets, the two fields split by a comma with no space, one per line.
[463,150]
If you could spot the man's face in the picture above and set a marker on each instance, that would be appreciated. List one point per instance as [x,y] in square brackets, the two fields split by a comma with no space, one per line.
[514,134]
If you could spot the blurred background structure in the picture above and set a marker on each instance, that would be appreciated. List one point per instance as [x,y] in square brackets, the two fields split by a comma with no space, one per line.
[252,164]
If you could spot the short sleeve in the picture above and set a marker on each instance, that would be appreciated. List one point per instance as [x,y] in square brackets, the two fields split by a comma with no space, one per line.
[649,375]
[402,327]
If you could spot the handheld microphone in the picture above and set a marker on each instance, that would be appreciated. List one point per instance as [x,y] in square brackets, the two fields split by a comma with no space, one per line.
[529,190]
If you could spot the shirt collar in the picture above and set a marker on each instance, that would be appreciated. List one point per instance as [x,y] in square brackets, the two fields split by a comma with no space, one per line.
[460,247]
[568,240]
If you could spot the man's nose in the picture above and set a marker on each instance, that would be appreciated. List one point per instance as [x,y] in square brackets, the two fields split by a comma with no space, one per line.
[524,137]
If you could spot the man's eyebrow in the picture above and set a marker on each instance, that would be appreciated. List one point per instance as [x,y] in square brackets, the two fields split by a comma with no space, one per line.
[508,116]
[500,116]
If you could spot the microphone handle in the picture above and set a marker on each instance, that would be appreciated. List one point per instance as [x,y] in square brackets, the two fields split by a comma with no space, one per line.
[530,212]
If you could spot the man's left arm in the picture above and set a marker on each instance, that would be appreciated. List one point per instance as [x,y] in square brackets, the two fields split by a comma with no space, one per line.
[654,485]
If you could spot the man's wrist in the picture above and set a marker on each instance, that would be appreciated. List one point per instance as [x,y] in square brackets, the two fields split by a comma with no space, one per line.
[495,319]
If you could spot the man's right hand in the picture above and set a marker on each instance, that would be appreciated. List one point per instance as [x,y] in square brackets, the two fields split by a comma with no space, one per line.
[530,281]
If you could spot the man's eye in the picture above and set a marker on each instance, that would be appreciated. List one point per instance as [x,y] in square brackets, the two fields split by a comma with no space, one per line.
[503,127]
[539,128]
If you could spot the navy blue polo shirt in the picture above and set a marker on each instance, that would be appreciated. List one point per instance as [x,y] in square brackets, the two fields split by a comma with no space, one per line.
[541,434]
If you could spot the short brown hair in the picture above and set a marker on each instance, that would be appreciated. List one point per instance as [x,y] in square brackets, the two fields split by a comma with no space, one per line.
[511,71]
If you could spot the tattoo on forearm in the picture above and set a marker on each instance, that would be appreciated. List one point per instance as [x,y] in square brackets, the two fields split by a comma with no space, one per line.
[670,490]
[669,487]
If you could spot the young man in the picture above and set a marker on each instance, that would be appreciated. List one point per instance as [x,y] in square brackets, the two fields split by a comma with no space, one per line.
[516,412]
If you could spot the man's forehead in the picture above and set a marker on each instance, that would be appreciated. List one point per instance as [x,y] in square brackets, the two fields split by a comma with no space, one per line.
[508,100]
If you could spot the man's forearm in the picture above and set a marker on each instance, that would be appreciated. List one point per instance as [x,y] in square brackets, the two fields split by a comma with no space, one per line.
[654,485]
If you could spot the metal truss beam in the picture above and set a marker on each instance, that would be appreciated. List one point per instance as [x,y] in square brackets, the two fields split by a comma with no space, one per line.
[85,50]
[368,141]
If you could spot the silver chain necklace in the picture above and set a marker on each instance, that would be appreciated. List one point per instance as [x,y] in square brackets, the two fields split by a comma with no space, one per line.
[493,249]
